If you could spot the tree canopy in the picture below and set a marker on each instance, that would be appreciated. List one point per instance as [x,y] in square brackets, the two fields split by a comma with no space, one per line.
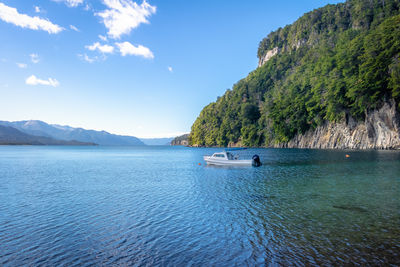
[335,61]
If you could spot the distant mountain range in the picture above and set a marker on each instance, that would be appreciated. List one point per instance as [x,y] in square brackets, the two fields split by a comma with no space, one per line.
[12,136]
[157,141]
[41,129]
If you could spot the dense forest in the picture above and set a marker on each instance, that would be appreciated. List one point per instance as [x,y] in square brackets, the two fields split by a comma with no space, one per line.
[334,62]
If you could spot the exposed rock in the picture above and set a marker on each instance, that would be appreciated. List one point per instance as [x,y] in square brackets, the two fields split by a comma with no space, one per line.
[380,130]
[182,140]
[268,55]
[299,43]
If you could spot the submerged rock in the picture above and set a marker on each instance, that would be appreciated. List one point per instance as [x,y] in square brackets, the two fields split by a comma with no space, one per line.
[350,208]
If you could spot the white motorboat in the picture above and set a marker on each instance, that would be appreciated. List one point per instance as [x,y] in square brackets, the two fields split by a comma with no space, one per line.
[226,158]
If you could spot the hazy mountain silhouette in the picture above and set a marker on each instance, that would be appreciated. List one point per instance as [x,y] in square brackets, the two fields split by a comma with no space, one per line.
[67,133]
[12,136]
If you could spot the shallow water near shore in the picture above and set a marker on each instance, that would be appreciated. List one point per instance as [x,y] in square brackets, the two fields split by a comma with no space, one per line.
[157,206]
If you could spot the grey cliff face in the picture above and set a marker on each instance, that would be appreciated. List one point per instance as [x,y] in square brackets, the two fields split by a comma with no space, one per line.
[182,140]
[380,130]
[268,56]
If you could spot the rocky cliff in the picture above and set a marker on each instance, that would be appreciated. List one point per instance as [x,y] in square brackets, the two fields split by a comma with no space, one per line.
[379,130]
[182,140]
[270,53]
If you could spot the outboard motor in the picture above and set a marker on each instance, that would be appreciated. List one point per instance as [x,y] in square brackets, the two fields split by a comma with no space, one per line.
[256,161]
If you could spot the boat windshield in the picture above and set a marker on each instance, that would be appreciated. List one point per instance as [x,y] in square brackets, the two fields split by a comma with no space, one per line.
[229,155]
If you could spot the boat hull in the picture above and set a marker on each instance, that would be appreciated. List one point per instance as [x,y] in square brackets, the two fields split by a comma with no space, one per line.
[224,162]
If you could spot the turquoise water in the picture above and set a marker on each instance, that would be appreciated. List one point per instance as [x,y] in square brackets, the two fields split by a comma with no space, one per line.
[86,206]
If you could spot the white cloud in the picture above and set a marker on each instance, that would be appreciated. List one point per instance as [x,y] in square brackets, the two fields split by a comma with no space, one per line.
[170,69]
[72,27]
[22,65]
[87,58]
[87,7]
[127,48]
[124,15]
[11,15]
[33,80]
[71,3]
[102,48]
[37,9]
[103,38]
[34,58]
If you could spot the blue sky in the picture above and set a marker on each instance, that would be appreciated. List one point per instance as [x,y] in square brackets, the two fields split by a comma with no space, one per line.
[136,68]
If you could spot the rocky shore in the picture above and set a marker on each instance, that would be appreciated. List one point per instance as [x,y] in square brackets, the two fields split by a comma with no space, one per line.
[379,130]
[182,140]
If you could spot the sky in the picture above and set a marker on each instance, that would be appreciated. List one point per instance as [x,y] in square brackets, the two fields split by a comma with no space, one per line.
[144,68]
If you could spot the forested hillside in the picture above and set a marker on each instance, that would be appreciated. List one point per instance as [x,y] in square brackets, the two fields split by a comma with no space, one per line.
[332,64]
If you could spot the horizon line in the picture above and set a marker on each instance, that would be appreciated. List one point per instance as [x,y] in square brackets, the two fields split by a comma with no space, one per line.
[151,136]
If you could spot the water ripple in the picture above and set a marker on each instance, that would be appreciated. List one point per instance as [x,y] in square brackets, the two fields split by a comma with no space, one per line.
[156,206]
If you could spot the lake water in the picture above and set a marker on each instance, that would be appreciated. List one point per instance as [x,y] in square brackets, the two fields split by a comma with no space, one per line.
[67,206]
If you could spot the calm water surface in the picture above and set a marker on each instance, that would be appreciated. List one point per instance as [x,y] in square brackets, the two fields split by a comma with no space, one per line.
[66,206]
